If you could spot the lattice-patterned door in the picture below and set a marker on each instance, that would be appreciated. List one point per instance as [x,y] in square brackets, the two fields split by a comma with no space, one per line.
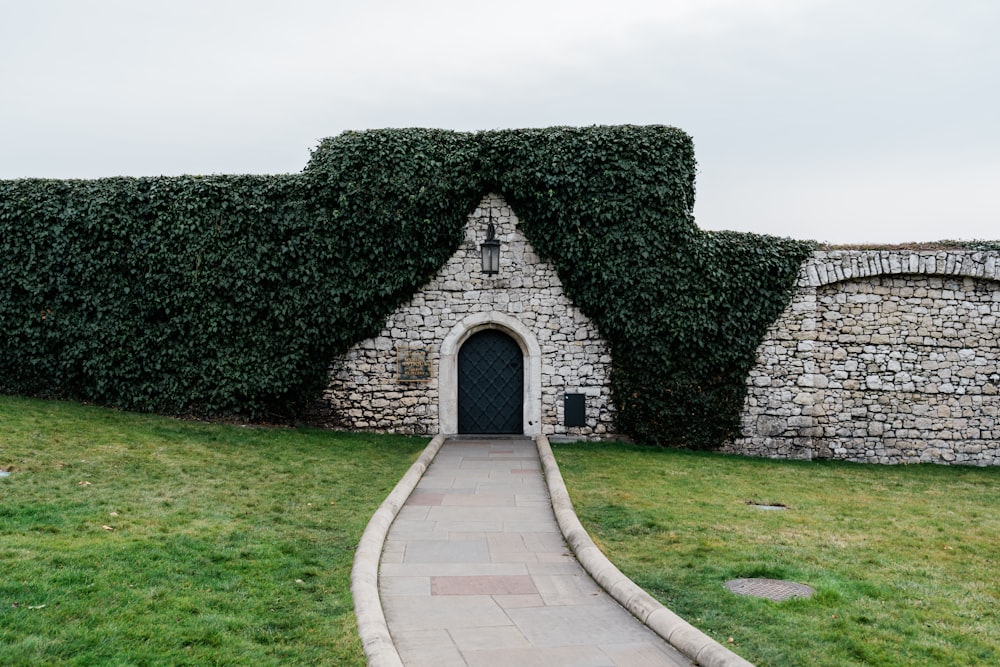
[490,384]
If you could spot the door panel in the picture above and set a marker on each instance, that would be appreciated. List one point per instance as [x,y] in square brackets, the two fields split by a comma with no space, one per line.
[490,384]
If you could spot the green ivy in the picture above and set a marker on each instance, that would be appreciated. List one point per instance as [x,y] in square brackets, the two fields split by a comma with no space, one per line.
[232,295]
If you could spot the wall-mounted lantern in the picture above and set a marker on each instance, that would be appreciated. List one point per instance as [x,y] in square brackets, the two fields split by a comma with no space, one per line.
[491,249]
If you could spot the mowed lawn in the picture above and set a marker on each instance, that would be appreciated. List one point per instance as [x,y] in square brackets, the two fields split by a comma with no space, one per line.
[137,540]
[905,559]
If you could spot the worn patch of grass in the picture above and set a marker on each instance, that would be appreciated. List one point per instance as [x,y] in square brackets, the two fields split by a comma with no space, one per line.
[904,559]
[137,540]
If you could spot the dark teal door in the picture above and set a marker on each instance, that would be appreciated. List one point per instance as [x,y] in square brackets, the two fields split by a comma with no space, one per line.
[490,384]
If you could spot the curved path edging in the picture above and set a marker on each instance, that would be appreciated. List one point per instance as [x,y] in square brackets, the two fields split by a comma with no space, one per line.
[379,648]
[683,636]
[380,651]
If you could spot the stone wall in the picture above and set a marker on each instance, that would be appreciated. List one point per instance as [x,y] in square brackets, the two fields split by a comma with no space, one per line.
[882,357]
[563,351]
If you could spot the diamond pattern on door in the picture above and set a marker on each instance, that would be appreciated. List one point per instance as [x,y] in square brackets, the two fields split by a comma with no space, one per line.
[490,384]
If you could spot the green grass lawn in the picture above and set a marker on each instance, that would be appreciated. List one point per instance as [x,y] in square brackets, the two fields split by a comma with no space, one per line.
[137,540]
[906,560]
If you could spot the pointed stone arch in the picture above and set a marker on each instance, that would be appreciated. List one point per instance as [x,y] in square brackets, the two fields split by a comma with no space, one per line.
[565,357]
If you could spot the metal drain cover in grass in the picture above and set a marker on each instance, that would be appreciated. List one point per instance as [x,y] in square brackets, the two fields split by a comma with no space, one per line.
[772,589]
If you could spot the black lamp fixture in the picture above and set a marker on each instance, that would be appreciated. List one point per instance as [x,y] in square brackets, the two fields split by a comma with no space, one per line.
[491,248]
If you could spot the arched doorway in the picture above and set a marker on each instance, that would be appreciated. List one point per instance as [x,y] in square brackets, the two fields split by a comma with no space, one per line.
[490,384]
[532,358]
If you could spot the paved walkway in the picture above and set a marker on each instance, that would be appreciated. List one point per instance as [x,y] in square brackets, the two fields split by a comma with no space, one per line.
[474,572]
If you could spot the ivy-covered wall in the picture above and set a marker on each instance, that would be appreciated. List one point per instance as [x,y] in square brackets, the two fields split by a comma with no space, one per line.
[231,295]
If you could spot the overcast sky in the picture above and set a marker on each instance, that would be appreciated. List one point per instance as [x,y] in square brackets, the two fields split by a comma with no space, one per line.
[847,121]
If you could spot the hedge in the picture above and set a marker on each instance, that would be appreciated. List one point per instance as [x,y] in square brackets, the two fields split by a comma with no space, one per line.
[232,295]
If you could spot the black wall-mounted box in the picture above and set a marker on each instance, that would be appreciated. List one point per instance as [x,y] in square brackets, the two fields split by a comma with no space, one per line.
[575,410]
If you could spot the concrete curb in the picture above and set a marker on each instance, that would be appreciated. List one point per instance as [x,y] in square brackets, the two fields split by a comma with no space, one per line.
[690,641]
[372,628]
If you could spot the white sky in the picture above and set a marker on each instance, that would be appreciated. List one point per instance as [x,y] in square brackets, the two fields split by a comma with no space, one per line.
[847,121]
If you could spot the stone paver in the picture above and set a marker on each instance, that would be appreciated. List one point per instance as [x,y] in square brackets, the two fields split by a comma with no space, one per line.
[475,572]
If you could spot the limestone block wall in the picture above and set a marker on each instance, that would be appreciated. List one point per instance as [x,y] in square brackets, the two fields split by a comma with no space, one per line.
[564,353]
[882,357]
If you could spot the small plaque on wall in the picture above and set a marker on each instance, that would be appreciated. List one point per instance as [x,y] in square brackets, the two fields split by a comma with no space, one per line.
[413,364]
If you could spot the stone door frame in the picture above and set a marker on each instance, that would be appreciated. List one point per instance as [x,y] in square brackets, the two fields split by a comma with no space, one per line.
[448,371]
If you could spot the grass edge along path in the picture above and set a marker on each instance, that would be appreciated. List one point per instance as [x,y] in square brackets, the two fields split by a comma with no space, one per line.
[903,558]
[134,539]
